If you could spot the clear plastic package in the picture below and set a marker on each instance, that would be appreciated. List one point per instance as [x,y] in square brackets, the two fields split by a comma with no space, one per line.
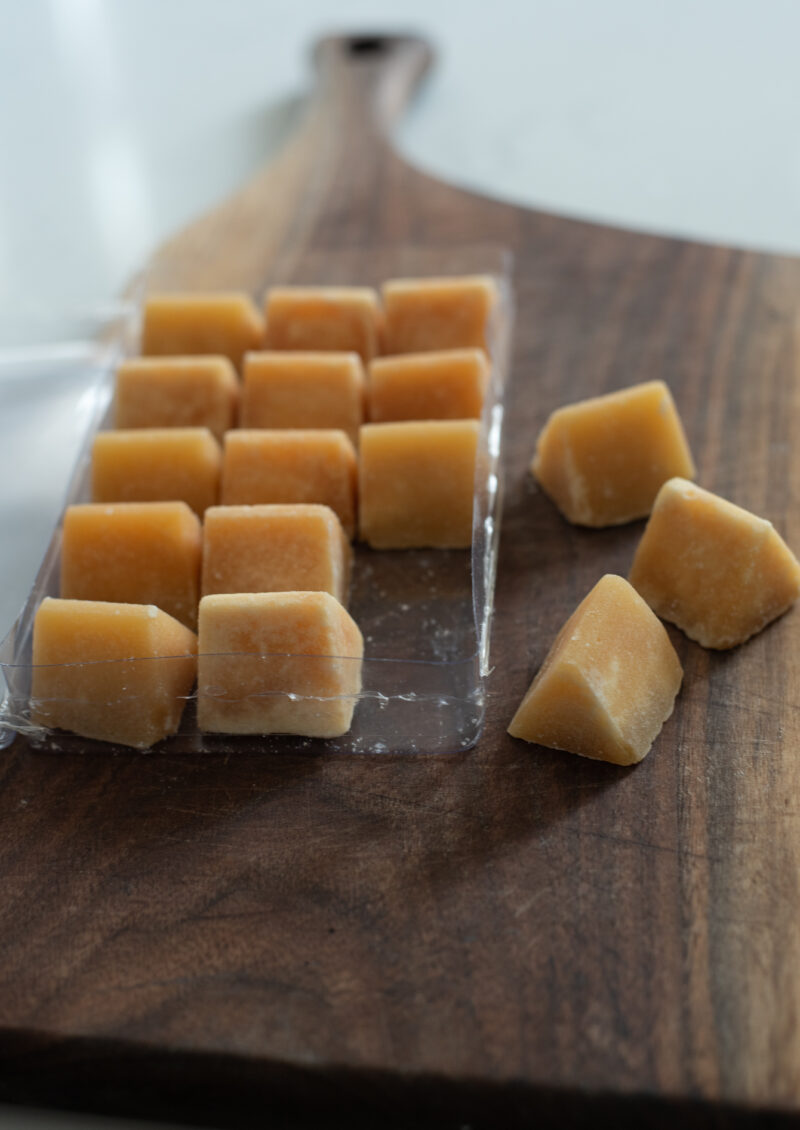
[425,614]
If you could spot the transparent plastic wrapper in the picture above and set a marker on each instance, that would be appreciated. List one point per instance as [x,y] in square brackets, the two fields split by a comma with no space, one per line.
[424,614]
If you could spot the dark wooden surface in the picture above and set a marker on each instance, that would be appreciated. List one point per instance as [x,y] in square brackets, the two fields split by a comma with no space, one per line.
[509,936]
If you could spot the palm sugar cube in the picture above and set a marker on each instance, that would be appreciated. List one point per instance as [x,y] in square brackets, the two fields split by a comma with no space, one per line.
[275,548]
[715,570]
[133,553]
[268,465]
[176,392]
[448,384]
[226,323]
[608,683]
[339,318]
[157,465]
[114,672]
[603,460]
[303,390]
[416,484]
[282,662]
[438,313]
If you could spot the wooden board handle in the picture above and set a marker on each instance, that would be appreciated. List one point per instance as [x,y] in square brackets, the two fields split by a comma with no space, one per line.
[368,79]
[323,185]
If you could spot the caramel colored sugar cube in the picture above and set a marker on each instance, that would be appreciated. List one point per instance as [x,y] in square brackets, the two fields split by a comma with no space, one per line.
[276,548]
[443,313]
[603,460]
[115,672]
[177,392]
[339,318]
[715,570]
[157,465]
[226,323]
[416,484]
[449,384]
[303,390]
[285,663]
[291,466]
[608,683]
[134,553]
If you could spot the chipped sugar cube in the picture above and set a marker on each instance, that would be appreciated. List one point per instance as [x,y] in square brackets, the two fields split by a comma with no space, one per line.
[224,322]
[176,392]
[133,553]
[339,318]
[157,465]
[275,548]
[287,663]
[303,390]
[603,460]
[438,313]
[417,484]
[608,683]
[114,672]
[718,572]
[448,384]
[291,465]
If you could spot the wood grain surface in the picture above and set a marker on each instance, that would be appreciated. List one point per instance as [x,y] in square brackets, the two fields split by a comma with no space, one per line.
[508,936]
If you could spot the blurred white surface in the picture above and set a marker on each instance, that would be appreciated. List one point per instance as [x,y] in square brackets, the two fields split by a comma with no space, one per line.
[121,119]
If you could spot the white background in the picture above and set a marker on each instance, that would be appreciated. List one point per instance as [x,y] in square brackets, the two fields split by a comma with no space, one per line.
[121,119]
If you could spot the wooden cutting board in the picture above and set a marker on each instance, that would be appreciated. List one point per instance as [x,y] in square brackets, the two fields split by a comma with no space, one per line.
[508,936]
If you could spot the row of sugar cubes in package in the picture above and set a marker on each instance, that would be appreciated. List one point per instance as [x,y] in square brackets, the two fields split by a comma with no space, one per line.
[246,454]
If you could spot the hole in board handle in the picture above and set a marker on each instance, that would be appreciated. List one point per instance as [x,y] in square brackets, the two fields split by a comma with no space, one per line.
[367,45]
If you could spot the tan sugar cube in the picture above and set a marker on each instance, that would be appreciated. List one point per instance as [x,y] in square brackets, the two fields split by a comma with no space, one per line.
[416,484]
[438,313]
[303,390]
[449,384]
[227,323]
[339,318]
[258,649]
[176,392]
[276,548]
[133,553]
[603,460]
[715,570]
[608,683]
[157,465]
[291,466]
[115,672]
